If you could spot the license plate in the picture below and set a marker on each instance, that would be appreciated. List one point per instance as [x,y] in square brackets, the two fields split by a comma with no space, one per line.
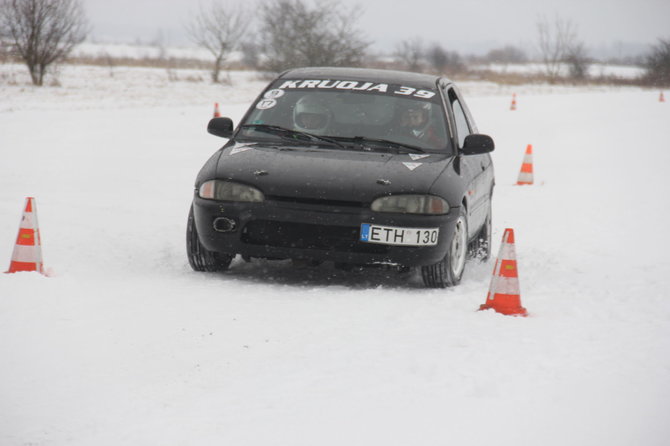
[391,235]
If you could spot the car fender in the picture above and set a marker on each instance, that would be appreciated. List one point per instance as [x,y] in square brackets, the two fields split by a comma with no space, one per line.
[208,171]
[452,184]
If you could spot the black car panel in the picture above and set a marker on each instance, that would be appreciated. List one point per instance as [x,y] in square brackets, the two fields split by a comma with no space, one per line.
[314,231]
[326,173]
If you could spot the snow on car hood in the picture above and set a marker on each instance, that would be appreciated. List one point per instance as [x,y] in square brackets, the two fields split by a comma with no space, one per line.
[328,174]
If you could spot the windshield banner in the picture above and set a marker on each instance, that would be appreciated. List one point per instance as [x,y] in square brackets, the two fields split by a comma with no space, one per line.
[369,87]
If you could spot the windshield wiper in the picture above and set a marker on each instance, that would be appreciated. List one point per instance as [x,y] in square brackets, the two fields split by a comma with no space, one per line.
[388,142]
[290,133]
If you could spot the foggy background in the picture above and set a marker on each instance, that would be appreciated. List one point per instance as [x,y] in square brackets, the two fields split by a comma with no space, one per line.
[609,28]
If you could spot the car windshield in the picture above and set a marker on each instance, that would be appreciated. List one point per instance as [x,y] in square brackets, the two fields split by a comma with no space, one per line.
[351,112]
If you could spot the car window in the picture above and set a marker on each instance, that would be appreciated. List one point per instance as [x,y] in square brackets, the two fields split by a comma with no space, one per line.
[350,109]
[466,110]
[462,127]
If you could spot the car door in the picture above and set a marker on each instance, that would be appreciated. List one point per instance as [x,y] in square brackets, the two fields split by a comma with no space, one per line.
[475,166]
[485,179]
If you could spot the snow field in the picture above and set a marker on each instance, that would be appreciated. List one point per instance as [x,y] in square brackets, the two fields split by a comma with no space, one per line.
[125,344]
[594,70]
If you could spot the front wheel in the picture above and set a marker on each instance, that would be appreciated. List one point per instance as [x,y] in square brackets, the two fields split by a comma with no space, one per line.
[481,246]
[449,270]
[199,257]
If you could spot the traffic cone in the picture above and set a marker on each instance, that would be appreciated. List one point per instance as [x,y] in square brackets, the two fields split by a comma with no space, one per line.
[513,106]
[504,295]
[661,98]
[526,172]
[27,255]
[217,113]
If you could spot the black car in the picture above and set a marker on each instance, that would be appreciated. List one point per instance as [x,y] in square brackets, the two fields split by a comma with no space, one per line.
[355,166]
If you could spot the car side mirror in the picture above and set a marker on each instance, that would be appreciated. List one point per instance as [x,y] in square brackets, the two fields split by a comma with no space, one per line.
[222,127]
[477,144]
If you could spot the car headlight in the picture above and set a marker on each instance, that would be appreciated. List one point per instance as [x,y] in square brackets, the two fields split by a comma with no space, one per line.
[229,191]
[411,204]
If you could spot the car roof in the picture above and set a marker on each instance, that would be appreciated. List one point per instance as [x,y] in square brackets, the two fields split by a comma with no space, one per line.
[365,74]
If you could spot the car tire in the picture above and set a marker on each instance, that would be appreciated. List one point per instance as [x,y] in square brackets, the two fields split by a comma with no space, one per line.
[449,270]
[485,238]
[481,247]
[200,258]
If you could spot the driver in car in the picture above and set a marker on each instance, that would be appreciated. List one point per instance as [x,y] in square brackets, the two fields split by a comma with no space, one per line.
[311,116]
[415,123]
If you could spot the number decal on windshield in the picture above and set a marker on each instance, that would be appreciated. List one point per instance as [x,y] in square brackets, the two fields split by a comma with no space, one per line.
[405,91]
[409,91]
[424,94]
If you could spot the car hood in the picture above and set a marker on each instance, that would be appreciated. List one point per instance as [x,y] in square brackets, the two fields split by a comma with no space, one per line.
[326,174]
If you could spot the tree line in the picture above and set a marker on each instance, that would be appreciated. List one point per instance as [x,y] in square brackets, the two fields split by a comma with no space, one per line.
[295,33]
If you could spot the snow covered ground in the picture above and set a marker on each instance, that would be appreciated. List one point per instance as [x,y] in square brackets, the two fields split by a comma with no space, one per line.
[594,69]
[124,344]
[129,51]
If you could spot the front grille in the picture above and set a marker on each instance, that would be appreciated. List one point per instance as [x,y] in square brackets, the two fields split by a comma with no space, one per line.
[307,236]
[317,201]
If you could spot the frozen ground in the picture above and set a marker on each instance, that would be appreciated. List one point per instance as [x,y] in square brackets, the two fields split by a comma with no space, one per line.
[124,50]
[126,345]
[594,70]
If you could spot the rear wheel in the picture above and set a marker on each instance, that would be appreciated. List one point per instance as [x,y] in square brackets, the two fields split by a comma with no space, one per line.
[449,270]
[199,257]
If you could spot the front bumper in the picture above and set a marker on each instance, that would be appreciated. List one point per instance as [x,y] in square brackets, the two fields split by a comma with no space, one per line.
[281,229]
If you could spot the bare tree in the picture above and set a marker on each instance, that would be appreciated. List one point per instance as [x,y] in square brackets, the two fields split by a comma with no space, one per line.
[43,32]
[506,54]
[657,64]
[410,53]
[555,39]
[294,34]
[577,61]
[250,53]
[4,50]
[218,29]
[443,61]
[437,57]
[108,60]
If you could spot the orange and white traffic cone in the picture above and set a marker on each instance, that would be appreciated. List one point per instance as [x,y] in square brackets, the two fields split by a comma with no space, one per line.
[27,255]
[513,106]
[217,113]
[504,295]
[661,98]
[526,172]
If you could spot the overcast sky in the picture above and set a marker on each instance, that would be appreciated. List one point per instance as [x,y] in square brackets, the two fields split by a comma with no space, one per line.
[467,26]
